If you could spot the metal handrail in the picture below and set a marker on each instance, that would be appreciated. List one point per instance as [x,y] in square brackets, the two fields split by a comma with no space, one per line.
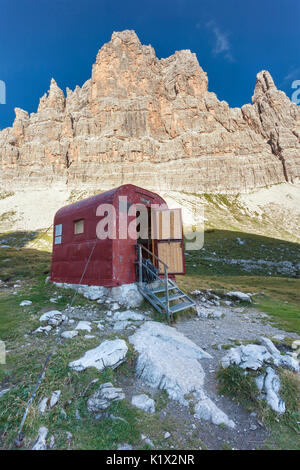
[149,269]
[165,280]
[152,254]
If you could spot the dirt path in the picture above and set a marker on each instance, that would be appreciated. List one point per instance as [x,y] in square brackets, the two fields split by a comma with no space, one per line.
[235,324]
[187,432]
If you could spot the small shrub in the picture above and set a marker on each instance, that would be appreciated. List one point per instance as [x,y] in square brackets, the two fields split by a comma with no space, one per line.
[6,194]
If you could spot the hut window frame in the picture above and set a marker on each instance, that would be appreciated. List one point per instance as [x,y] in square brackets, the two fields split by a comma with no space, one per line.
[58,234]
[78,227]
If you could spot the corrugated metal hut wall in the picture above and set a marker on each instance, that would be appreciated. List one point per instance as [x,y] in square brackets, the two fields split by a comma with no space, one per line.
[112,261]
[70,257]
[124,253]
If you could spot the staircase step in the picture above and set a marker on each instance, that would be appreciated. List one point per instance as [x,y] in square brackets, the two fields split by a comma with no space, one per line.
[181,306]
[162,289]
[152,300]
[172,297]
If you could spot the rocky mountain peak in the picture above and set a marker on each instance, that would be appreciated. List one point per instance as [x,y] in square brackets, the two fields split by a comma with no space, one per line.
[54,99]
[149,121]
[127,36]
[264,83]
[21,114]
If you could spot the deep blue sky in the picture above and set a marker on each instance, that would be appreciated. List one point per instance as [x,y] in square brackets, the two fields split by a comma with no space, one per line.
[233,40]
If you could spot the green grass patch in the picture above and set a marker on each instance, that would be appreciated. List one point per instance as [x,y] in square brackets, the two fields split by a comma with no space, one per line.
[285,315]
[240,387]
[221,277]
[284,429]
[16,264]
[161,400]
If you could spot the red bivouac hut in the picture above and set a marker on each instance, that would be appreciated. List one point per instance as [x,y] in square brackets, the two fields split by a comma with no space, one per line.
[81,257]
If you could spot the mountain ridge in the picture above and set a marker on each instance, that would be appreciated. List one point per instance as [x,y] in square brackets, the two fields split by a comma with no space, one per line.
[148,121]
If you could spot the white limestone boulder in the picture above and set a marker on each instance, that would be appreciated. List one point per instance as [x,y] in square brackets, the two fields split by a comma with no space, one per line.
[143,402]
[269,385]
[84,326]
[255,357]
[89,292]
[121,325]
[269,345]
[127,294]
[128,315]
[93,292]
[251,356]
[41,440]
[43,329]
[25,303]
[54,398]
[239,296]
[110,353]
[170,361]
[124,446]
[115,306]
[43,405]
[103,397]
[207,410]
[203,312]
[287,361]
[53,318]
[69,334]
[296,351]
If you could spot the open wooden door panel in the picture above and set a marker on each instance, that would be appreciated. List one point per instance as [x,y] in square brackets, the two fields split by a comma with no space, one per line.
[167,239]
[171,254]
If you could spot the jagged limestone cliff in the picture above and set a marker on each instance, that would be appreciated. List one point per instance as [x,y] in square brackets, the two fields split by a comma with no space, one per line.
[153,123]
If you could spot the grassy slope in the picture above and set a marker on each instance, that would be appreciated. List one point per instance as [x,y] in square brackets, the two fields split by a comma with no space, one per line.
[24,363]
[31,266]
[281,293]
[228,212]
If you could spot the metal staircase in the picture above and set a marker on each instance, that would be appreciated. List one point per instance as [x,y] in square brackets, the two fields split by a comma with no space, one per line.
[163,293]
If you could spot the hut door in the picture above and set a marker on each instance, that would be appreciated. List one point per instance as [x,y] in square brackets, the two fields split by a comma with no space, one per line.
[167,238]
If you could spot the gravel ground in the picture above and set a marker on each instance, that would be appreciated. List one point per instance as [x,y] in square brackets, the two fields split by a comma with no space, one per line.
[239,323]
[235,324]
[230,323]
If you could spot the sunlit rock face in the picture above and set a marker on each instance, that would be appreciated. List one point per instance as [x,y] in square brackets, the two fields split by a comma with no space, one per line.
[153,122]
